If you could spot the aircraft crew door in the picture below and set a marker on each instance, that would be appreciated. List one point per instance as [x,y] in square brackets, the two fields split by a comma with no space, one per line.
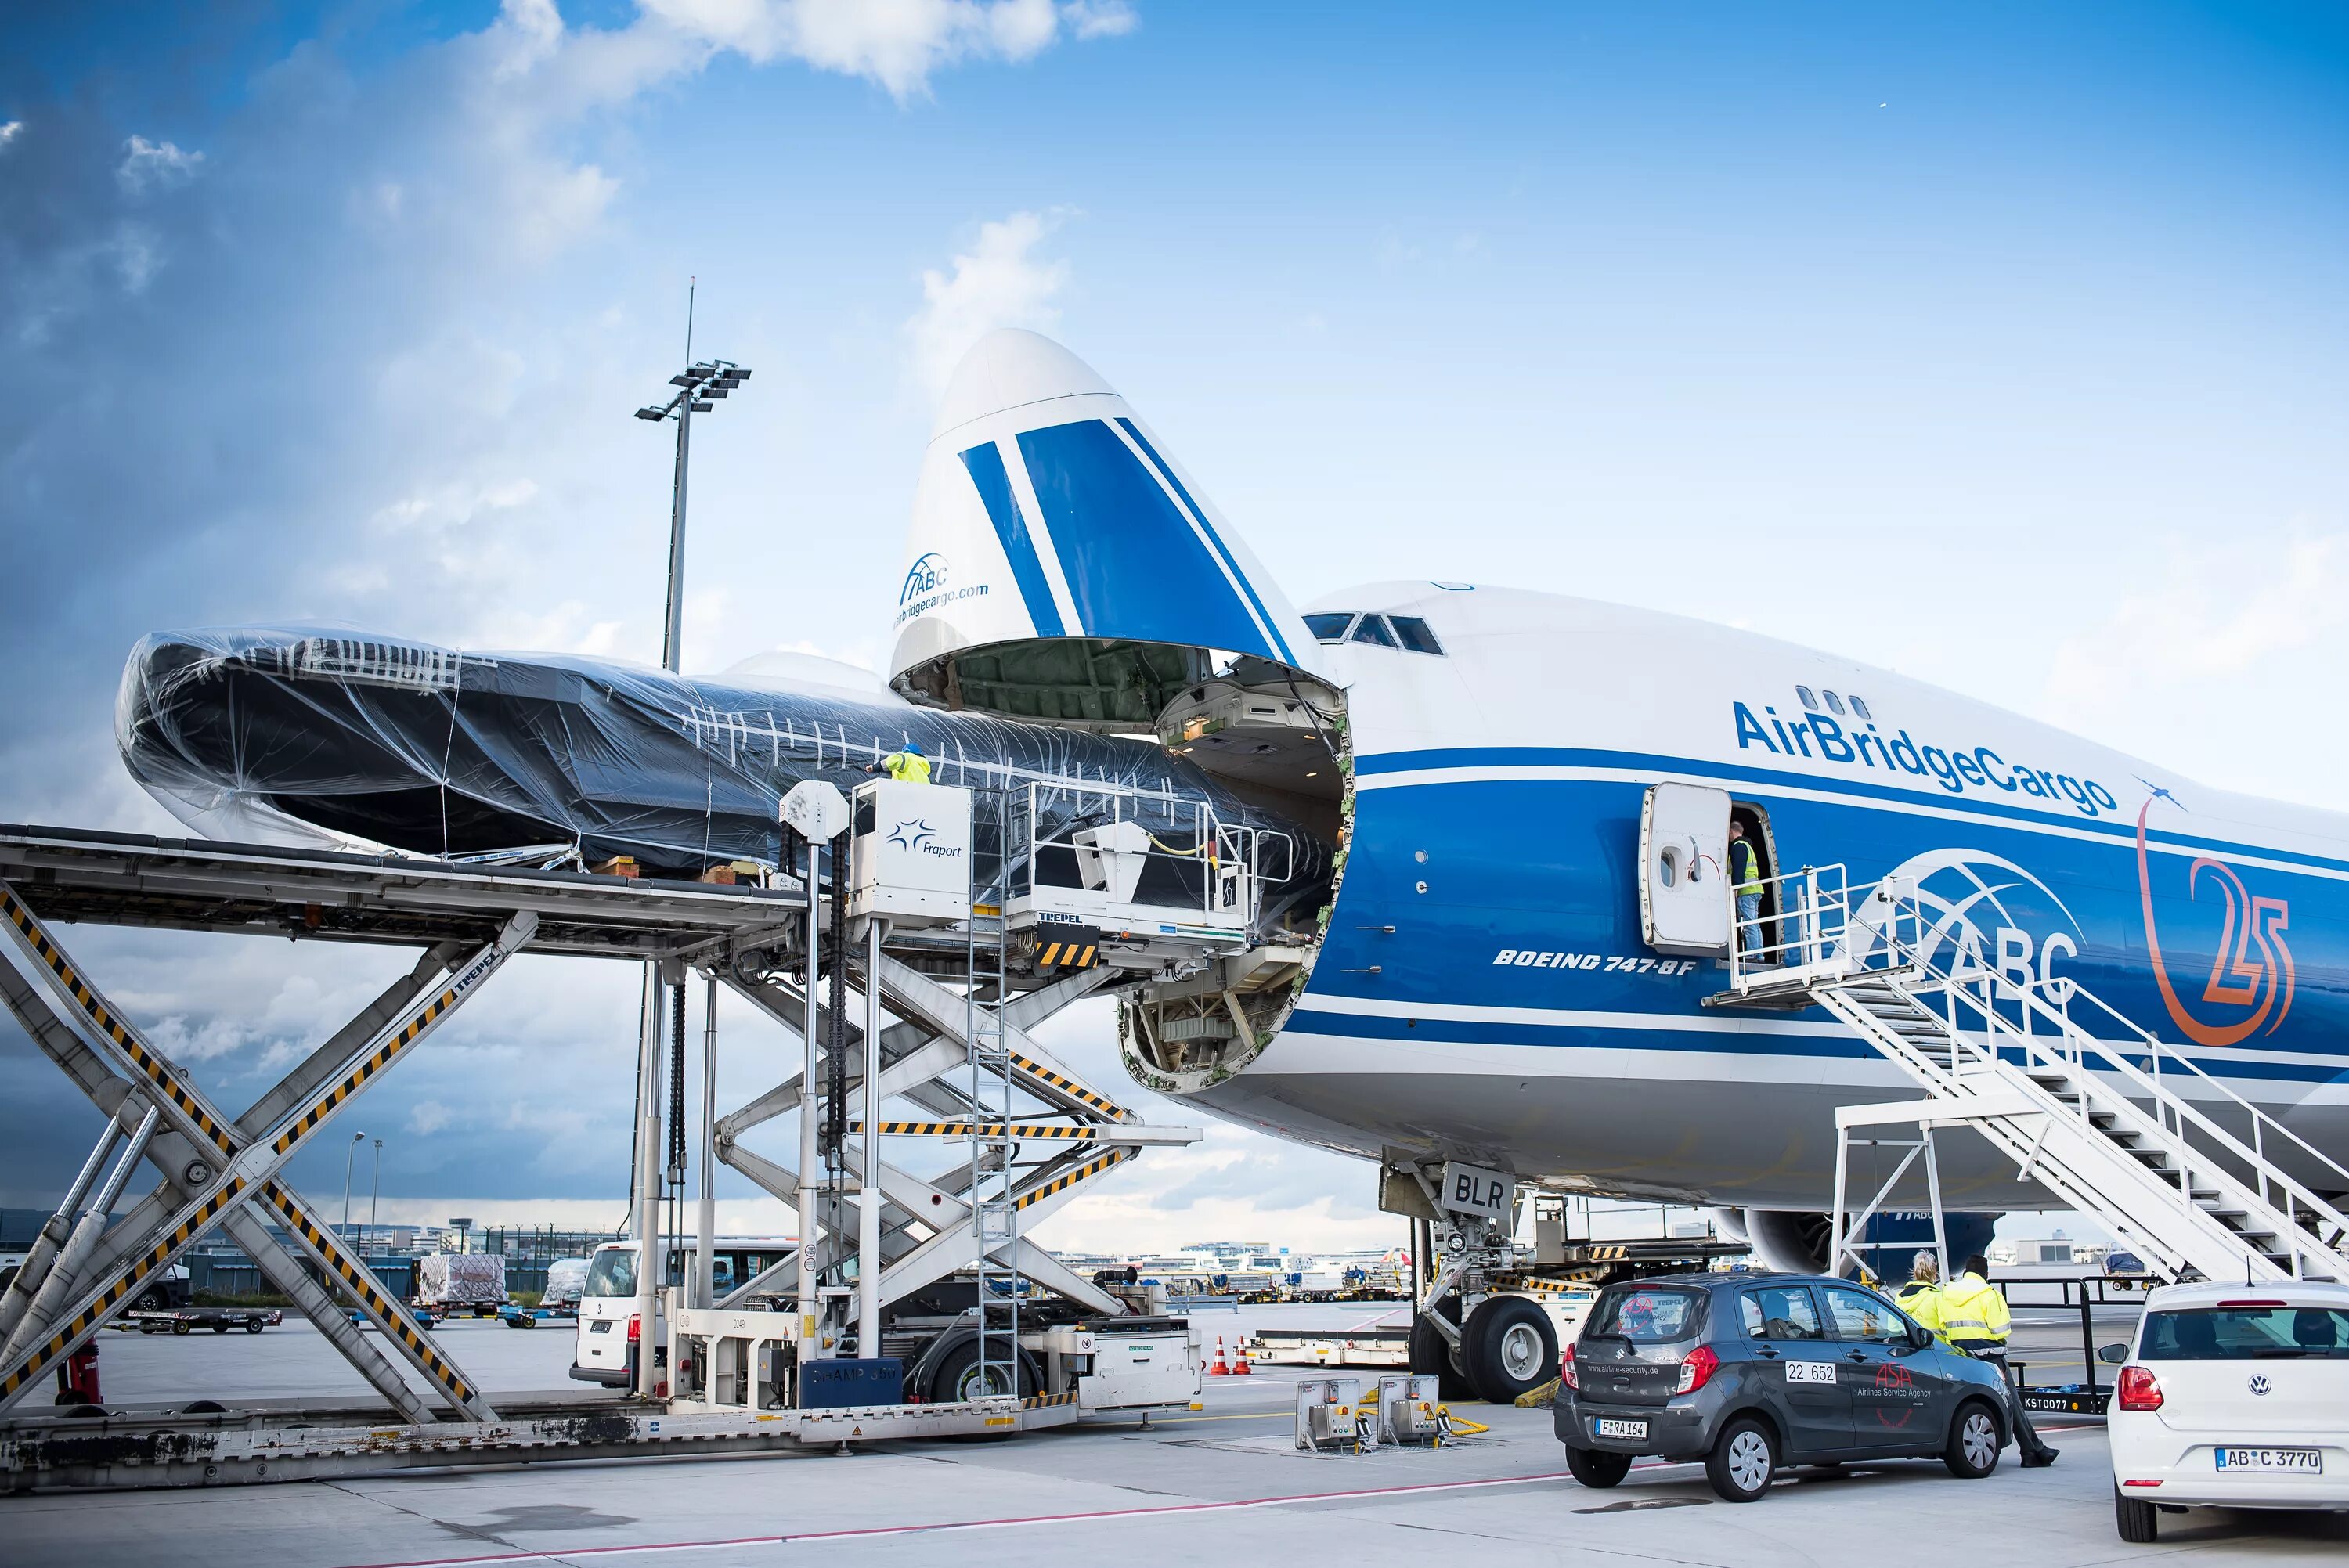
[1684,904]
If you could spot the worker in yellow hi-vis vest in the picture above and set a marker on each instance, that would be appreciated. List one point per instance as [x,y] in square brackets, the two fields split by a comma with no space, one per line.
[1975,1320]
[1745,882]
[907,765]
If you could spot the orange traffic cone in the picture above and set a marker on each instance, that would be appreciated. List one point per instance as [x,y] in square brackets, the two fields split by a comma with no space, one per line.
[1221,1367]
[1241,1366]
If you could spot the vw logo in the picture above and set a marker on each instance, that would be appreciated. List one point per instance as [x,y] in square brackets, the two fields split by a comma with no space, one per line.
[2258,1382]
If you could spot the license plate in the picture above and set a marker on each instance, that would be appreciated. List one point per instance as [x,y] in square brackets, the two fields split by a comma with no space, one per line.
[1810,1372]
[1606,1427]
[2290,1461]
[599,1327]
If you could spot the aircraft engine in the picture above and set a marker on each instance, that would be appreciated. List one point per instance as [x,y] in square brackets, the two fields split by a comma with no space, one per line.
[1791,1241]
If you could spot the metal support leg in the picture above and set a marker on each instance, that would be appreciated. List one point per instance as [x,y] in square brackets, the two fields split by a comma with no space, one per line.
[289,1279]
[56,1290]
[706,1231]
[868,1186]
[651,1262]
[811,1227]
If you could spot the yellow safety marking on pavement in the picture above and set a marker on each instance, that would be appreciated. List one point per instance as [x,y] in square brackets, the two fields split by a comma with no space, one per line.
[157,1071]
[1036,1129]
[1068,1086]
[360,1280]
[1063,1184]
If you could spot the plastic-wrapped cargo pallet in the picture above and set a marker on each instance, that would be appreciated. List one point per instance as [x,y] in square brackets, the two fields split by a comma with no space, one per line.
[461,1281]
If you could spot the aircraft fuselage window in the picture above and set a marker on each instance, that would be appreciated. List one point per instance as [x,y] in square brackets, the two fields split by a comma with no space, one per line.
[1415,634]
[1860,709]
[1374,629]
[1330,625]
[1835,703]
[1809,700]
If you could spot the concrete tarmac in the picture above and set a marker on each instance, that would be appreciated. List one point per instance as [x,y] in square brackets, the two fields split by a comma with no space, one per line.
[1224,1484]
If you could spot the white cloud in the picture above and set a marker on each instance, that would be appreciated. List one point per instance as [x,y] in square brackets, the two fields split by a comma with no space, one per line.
[2221,643]
[898,43]
[998,282]
[10,131]
[1099,18]
[153,166]
[428,1116]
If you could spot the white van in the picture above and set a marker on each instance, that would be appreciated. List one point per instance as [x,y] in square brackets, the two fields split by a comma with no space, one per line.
[609,1333]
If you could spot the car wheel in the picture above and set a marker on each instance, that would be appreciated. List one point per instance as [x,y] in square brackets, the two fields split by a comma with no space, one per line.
[1742,1460]
[152,1301]
[183,1328]
[2137,1520]
[1431,1356]
[1598,1466]
[253,1326]
[1974,1440]
[1509,1348]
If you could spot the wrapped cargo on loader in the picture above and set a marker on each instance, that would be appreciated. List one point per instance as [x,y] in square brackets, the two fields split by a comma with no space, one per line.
[564,1279]
[462,1282]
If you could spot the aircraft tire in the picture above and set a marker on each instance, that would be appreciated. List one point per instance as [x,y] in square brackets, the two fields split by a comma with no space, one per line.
[1509,1347]
[1430,1355]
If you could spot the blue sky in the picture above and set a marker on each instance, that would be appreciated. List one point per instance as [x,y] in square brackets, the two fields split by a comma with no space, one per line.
[2003,344]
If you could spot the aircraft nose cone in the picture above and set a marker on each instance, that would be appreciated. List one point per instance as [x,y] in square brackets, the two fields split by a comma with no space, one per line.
[1009,368]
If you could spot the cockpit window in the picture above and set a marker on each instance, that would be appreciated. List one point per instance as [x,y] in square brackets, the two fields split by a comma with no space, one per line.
[1415,634]
[1374,629]
[1330,625]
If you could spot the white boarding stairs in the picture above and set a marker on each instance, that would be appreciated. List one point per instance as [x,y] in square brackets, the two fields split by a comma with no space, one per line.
[2118,1124]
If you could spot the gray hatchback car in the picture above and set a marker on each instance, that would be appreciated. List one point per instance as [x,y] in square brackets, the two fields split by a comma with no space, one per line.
[1753,1372]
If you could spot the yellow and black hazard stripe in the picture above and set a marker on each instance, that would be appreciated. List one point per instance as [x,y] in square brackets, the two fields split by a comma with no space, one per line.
[360,1280]
[1035,1130]
[1044,1401]
[1068,1087]
[1063,1184]
[1083,952]
[126,1283]
[154,1068]
[381,1058]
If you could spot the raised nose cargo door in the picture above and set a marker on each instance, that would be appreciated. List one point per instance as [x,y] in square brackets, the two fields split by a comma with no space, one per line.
[1684,906]
[1060,567]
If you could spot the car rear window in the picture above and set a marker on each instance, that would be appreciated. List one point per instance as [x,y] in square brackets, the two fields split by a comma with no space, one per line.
[2249,1332]
[1646,1314]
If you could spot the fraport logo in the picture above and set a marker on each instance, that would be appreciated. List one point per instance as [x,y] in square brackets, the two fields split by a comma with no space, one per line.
[927,575]
[917,838]
[1958,769]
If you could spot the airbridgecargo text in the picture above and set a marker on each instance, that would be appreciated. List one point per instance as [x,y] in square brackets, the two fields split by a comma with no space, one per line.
[1958,770]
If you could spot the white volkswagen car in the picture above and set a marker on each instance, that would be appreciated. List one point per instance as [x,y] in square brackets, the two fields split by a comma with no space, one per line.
[2233,1396]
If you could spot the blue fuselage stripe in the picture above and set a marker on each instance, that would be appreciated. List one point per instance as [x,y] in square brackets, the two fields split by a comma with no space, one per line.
[985,463]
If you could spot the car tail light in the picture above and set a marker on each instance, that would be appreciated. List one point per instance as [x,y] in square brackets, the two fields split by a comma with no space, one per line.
[1695,1367]
[636,1328]
[2254,1305]
[2140,1483]
[2139,1389]
[1565,1373]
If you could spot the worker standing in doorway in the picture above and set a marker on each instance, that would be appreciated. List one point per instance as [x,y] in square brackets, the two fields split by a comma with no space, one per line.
[907,765]
[1975,1318]
[1746,880]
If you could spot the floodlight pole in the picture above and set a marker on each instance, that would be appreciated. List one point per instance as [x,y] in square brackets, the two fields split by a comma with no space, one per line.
[709,380]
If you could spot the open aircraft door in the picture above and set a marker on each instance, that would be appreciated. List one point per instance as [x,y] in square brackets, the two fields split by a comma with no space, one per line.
[1060,567]
[1684,904]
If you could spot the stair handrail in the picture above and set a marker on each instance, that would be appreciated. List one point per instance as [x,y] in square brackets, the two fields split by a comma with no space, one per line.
[1957,982]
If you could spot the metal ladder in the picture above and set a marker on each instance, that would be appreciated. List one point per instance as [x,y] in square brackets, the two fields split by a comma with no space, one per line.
[2184,1178]
[994,1213]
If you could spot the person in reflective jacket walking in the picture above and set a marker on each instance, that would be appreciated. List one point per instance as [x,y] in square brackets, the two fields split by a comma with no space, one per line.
[1975,1320]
